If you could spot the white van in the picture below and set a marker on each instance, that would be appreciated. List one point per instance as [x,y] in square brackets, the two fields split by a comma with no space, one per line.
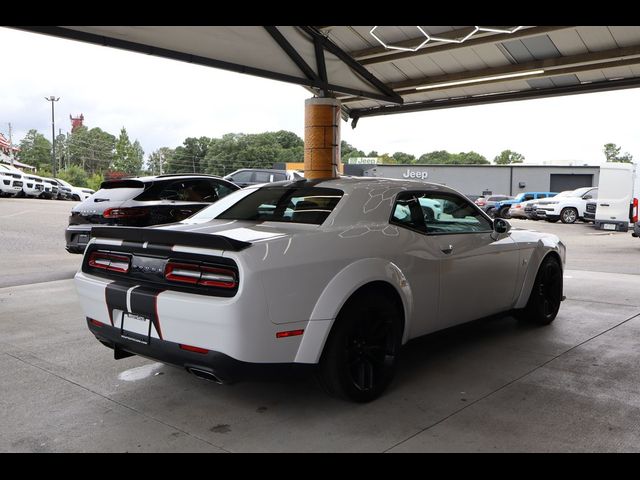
[618,192]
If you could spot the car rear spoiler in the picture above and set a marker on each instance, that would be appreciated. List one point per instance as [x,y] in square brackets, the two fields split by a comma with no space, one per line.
[169,237]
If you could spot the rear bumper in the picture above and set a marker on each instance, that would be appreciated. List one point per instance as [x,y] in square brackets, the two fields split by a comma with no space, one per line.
[614,225]
[220,367]
[77,237]
[517,213]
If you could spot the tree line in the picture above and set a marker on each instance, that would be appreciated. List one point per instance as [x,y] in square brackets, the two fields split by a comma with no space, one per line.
[86,156]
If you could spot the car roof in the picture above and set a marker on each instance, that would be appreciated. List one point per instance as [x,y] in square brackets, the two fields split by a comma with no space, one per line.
[347,184]
[167,176]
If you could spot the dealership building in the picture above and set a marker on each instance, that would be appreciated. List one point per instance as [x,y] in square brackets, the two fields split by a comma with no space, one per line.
[490,179]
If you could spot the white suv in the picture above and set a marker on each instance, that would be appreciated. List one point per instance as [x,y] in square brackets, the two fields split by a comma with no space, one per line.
[10,181]
[567,206]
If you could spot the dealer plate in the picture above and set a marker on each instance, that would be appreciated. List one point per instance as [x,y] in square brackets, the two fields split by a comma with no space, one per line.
[135,327]
[609,226]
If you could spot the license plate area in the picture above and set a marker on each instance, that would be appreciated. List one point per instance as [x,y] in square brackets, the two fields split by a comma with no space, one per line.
[609,226]
[135,328]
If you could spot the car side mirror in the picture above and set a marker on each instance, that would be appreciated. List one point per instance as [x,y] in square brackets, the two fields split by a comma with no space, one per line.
[500,225]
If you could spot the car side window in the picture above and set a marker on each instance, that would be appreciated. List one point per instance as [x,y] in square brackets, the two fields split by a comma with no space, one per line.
[242,177]
[528,196]
[222,190]
[262,177]
[448,213]
[542,195]
[407,212]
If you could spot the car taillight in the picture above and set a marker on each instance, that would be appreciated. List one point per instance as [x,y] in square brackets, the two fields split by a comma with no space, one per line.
[132,212]
[200,275]
[109,261]
[517,205]
[634,218]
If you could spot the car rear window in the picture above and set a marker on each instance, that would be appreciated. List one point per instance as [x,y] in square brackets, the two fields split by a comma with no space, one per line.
[281,204]
[116,194]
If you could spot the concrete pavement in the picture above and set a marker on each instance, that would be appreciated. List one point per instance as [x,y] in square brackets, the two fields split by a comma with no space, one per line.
[493,385]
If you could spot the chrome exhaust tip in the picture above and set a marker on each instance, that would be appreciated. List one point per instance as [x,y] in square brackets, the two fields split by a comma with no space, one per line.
[204,374]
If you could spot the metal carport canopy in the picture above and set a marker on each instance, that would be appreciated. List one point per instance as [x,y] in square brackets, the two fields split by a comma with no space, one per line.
[398,68]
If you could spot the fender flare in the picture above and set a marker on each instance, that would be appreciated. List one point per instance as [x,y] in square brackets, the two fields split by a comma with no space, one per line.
[339,290]
[544,248]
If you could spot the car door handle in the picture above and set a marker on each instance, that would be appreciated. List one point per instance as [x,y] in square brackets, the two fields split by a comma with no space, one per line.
[604,205]
[448,250]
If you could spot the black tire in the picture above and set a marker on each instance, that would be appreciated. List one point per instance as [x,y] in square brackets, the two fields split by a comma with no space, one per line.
[358,361]
[504,212]
[546,294]
[491,212]
[75,198]
[569,215]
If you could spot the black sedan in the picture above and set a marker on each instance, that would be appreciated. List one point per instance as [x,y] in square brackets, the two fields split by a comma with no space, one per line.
[143,201]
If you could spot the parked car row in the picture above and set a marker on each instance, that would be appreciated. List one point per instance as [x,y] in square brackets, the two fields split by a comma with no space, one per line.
[568,206]
[16,183]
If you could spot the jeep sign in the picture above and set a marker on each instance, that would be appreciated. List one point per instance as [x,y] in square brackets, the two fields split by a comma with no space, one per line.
[421,174]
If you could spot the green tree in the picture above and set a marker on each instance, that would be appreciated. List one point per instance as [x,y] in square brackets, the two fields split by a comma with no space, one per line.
[75,175]
[612,153]
[128,157]
[436,157]
[348,151]
[405,158]
[158,159]
[93,150]
[386,159]
[190,156]
[288,140]
[35,150]
[507,157]
[469,158]
[94,181]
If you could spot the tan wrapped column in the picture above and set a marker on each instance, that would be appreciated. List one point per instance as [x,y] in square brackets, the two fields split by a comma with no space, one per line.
[321,138]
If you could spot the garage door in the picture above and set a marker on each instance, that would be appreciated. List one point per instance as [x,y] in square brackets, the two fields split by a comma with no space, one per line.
[565,181]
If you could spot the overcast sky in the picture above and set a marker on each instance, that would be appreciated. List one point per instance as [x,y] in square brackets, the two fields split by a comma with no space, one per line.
[161,102]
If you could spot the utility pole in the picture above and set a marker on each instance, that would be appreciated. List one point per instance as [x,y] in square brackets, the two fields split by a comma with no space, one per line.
[53,99]
[10,146]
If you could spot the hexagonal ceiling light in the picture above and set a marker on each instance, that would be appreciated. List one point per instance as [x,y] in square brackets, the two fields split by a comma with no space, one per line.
[464,38]
[473,30]
[395,47]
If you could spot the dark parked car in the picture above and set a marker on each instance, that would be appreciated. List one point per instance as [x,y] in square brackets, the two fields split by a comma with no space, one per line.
[143,201]
[253,176]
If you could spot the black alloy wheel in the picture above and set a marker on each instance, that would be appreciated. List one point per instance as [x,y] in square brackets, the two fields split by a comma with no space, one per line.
[546,294]
[359,359]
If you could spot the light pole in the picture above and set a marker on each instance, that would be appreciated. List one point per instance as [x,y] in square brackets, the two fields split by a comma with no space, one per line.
[53,99]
